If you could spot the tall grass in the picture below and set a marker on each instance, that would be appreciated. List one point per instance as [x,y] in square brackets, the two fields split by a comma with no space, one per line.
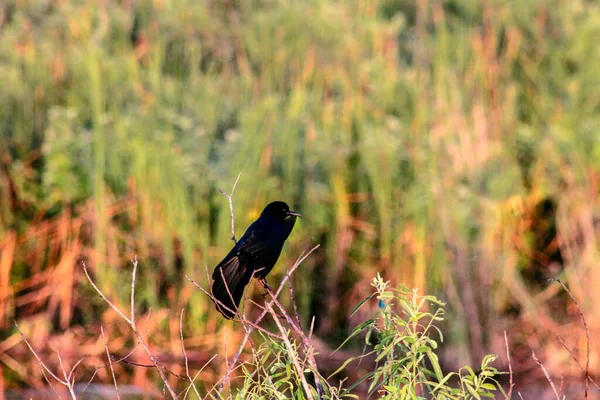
[451,145]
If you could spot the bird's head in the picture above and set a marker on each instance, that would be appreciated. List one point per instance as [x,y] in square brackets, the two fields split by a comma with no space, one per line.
[279,210]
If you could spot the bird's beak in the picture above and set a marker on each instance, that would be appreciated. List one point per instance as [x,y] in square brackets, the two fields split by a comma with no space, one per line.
[295,214]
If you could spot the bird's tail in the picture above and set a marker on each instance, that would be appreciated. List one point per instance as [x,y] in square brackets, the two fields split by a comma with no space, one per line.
[230,278]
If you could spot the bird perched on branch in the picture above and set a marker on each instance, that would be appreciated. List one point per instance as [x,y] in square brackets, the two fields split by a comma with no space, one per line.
[254,255]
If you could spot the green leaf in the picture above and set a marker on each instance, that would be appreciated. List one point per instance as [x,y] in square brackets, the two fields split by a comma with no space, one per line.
[433,358]
[348,361]
[355,309]
[473,392]
[361,380]
[424,349]
[488,359]
[489,386]
[376,384]
[356,331]
[471,372]
[409,339]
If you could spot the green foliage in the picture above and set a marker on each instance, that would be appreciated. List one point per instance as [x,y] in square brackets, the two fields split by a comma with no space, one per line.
[404,346]
[403,338]
[270,374]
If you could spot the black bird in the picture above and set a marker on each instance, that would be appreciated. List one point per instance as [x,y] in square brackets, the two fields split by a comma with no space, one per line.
[254,255]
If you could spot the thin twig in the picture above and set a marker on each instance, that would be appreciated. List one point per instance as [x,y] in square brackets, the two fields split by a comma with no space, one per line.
[187,367]
[229,199]
[229,292]
[510,371]
[212,297]
[545,373]
[293,299]
[308,349]
[125,357]
[89,381]
[185,357]
[291,352]
[68,378]
[133,273]
[67,382]
[131,323]
[225,351]
[196,376]
[38,357]
[562,385]
[219,384]
[312,326]
[587,337]
[562,342]
[110,365]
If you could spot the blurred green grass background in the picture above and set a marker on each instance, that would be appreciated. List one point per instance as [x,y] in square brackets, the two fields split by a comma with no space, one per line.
[452,145]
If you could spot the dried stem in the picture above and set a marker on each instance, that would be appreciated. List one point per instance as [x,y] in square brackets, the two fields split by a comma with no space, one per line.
[133,273]
[308,349]
[229,199]
[562,342]
[587,337]
[510,371]
[110,365]
[291,351]
[132,324]
[67,382]
[294,305]
[537,360]
[185,357]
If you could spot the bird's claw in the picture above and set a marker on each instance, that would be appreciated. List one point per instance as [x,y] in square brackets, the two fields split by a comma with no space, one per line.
[267,287]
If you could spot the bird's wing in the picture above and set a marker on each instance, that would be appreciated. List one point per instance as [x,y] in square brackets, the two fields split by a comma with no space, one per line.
[264,245]
[243,254]
[259,248]
[230,278]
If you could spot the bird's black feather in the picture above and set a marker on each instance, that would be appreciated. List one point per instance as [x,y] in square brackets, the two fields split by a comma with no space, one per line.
[255,254]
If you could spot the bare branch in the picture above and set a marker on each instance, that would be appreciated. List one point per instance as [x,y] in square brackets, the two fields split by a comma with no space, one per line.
[510,371]
[90,381]
[67,378]
[133,273]
[587,337]
[38,357]
[545,373]
[291,351]
[185,357]
[562,342]
[67,382]
[110,365]
[312,326]
[187,367]
[228,291]
[131,323]
[212,297]
[293,299]
[308,349]
[229,199]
